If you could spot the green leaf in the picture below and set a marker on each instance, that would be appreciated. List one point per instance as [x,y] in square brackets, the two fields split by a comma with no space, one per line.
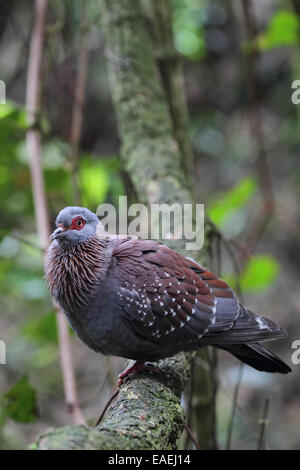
[14,113]
[19,403]
[229,202]
[94,182]
[283,30]
[260,273]
[190,44]
[6,109]
[188,26]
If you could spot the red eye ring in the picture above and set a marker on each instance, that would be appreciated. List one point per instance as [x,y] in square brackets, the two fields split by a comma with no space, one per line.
[77,223]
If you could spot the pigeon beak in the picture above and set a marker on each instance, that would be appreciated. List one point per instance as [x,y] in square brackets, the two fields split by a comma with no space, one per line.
[58,232]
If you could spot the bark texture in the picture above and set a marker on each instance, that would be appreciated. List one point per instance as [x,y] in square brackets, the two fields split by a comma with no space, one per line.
[147,415]
[150,152]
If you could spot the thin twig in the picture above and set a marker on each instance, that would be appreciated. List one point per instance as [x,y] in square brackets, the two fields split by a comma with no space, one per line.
[189,397]
[221,238]
[33,92]
[215,253]
[33,141]
[234,405]
[263,422]
[109,402]
[232,256]
[212,357]
[103,382]
[242,412]
[76,124]
[171,70]
[68,370]
[189,432]
[245,252]
[256,124]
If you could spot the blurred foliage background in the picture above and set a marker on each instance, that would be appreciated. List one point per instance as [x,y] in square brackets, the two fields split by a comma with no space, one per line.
[211,36]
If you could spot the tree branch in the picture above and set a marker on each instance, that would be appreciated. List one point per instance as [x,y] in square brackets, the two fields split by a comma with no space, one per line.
[147,415]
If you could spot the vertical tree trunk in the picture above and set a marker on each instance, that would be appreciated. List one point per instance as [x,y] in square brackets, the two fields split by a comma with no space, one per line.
[150,153]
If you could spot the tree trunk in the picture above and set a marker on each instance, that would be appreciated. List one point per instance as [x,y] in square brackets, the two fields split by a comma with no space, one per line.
[150,152]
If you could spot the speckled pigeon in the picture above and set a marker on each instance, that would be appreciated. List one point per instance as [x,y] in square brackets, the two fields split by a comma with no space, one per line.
[142,300]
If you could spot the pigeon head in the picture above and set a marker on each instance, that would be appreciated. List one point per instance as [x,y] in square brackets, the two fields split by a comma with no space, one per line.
[74,225]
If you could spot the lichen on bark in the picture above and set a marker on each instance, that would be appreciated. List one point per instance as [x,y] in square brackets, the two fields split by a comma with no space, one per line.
[149,151]
[147,415]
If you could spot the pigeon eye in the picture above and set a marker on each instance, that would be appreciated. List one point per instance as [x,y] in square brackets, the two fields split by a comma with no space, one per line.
[77,223]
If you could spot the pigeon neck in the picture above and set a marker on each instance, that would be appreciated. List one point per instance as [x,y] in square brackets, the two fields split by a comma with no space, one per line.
[74,272]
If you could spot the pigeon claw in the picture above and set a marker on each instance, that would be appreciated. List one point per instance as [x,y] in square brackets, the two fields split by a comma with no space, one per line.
[134,370]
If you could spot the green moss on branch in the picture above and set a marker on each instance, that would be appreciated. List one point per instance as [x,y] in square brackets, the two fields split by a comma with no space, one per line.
[150,152]
[147,415]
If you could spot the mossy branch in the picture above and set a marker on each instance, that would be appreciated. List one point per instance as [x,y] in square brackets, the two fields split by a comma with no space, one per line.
[147,415]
